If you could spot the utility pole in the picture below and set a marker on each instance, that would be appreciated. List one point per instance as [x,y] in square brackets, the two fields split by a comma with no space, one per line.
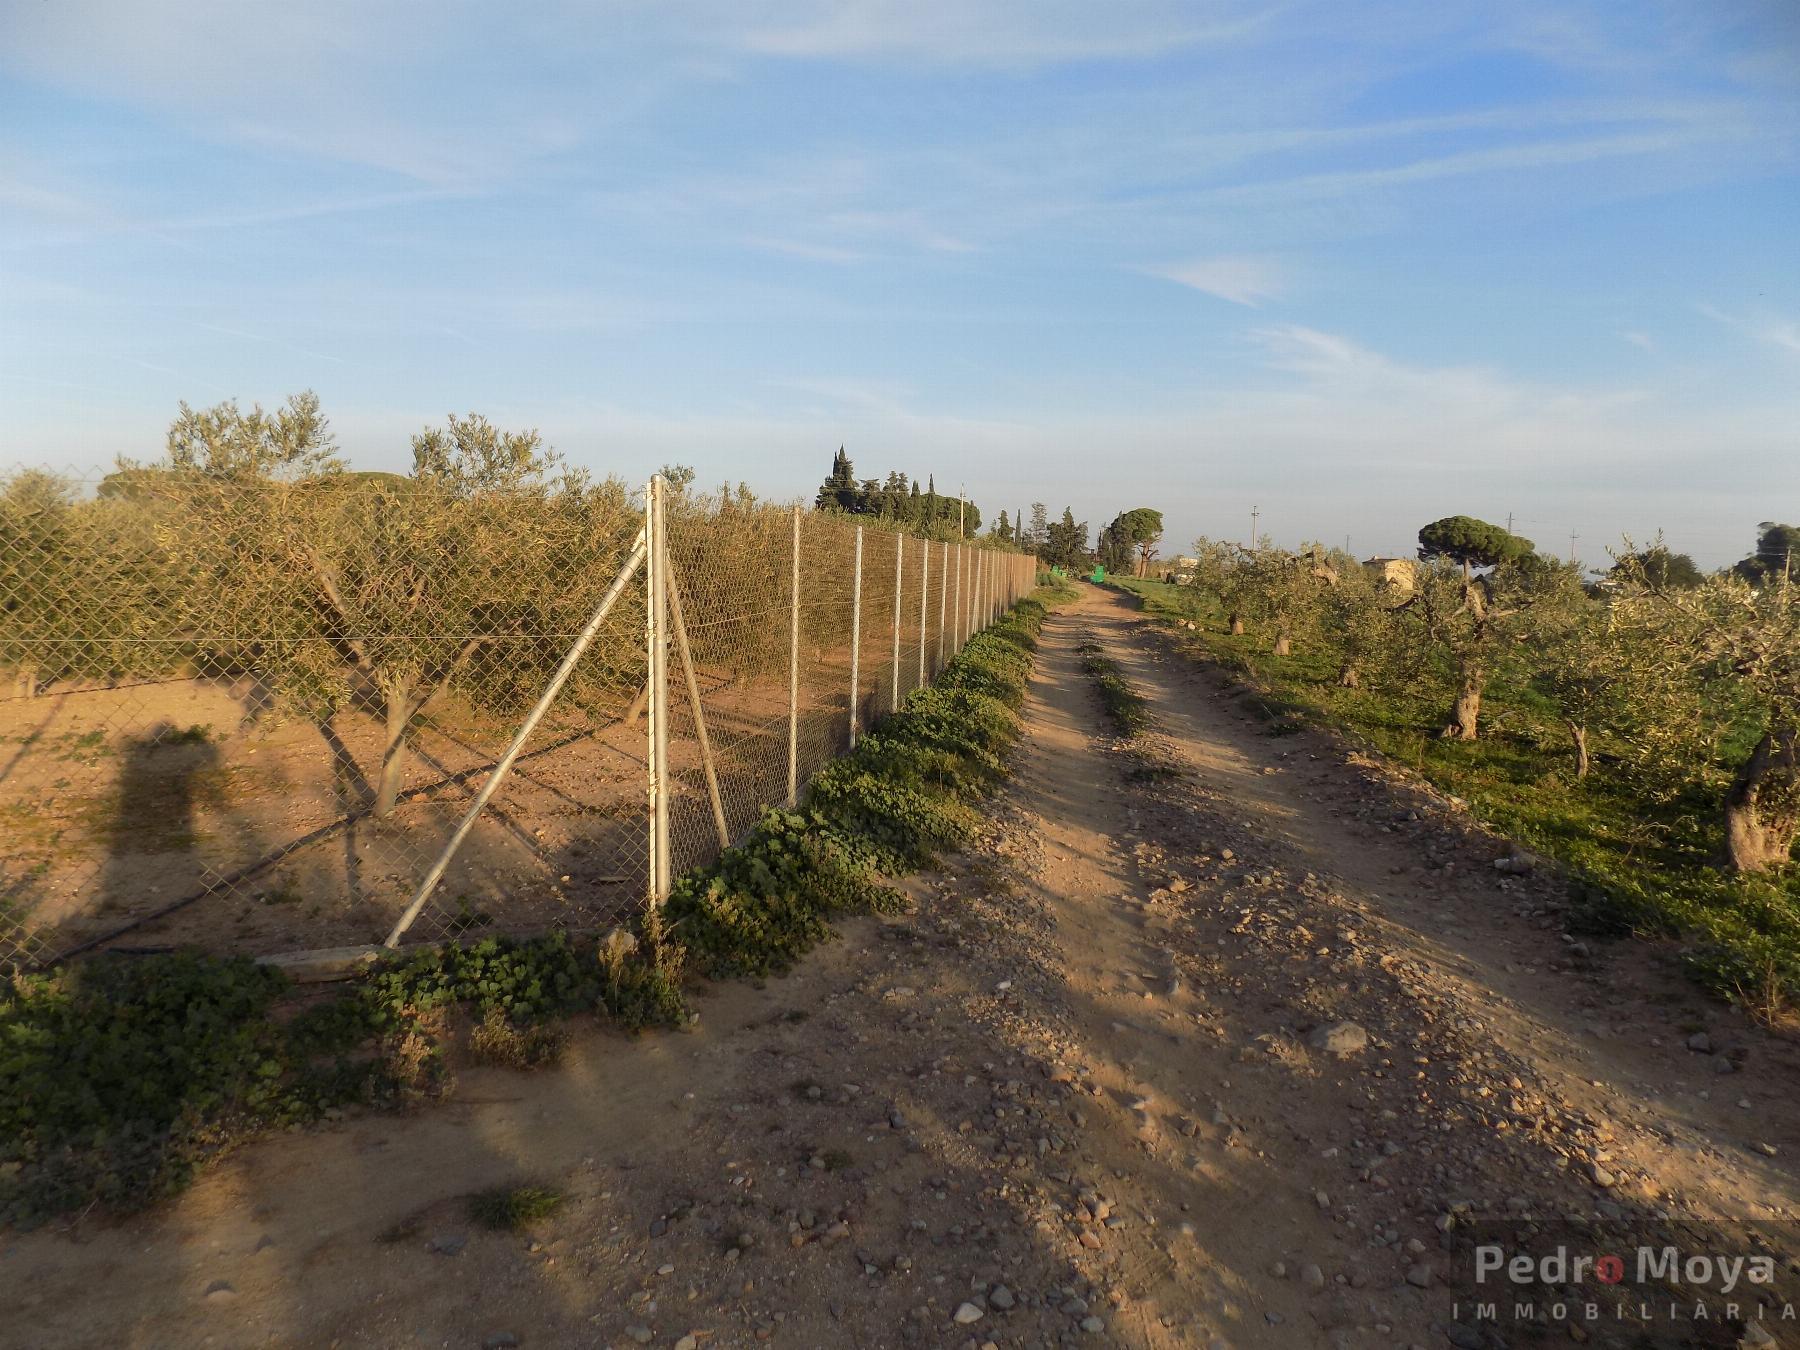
[1572,538]
[1509,520]
[961,494]
[1255,511]
[1347,545]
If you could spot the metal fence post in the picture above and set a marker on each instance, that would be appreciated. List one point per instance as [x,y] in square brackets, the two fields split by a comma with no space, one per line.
[899,552]
[855,634]
[503,766]
[793,797]
[957,612]
[944,600]
[924,599]
[980,557]
[656,636]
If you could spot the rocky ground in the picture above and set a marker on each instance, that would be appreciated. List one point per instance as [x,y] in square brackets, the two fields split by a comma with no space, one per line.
[1221,1038]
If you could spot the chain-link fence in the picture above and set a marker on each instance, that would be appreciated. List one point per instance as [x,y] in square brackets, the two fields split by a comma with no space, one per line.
[258,716]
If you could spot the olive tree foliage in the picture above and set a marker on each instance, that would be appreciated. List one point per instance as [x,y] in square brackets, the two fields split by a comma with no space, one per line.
[380,592]
[1575,663]
[1356,617]
[1219,569]
[1469,623]
[39,578]
[1737,645]
[1284,592]
[224,442]
[82,593]
[1661,566]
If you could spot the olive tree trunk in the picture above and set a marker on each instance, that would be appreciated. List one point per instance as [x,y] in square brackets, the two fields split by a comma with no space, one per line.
[401,703]
[1762,809]
[1578,738]
[1465,712]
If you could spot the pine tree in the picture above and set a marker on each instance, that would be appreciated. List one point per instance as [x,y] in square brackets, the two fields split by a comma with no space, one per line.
[838,492]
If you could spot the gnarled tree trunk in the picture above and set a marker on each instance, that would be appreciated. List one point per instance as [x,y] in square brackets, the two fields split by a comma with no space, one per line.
[402,703]
[1465,713]
[1762,809]
[1578,737]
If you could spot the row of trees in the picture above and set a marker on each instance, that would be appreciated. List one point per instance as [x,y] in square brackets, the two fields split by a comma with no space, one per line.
[250,549]
[1127,543]
[1686,676]
[898,499]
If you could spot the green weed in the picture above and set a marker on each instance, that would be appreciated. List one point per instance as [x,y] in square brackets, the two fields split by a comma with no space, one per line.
[1123,705]
[508,1209]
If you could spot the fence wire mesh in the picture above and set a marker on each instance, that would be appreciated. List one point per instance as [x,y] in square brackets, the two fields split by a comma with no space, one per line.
[249,715]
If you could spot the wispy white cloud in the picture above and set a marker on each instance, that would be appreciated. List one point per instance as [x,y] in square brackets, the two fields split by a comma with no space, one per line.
[911,227]
[35,199]
[801,248]
[1771,330]
[1241,279]
[1641,340]
[1501,159]
[1010,33]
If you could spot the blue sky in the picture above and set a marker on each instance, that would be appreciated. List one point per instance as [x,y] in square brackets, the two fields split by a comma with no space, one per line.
[1357,265]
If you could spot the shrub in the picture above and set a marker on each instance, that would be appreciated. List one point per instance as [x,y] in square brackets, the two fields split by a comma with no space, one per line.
[118,1075]
[508,1209]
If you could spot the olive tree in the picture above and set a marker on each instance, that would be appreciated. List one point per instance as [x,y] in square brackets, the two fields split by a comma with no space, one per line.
[1285,591]
[1219,569]
[1575,664]
[381,591]
[1356,617]
[38,578]
[1740,643]
[1469,621]
[84,591]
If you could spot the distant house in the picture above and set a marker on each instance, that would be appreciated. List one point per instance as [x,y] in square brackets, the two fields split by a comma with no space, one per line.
[1399,574]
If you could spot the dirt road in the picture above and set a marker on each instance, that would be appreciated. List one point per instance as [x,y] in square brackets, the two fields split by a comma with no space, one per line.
[1223,1039]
